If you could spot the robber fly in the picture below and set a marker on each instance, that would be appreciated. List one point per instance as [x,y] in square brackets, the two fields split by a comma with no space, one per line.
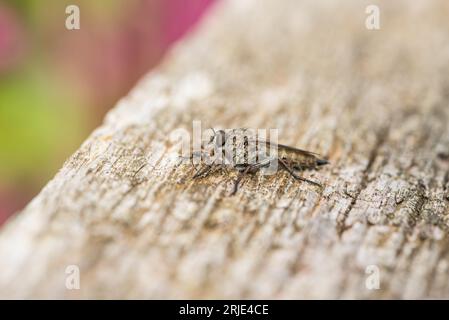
[242,150]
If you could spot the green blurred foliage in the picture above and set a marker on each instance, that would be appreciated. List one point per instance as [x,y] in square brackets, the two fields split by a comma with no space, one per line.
[37,123]
[56,84]
[32,10]
[42,118]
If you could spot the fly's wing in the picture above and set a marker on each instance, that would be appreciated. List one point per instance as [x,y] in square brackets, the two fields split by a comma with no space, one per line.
[296,156]
[293,149]
[288,149]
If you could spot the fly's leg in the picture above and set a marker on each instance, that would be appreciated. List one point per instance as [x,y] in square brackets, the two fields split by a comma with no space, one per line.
[239,178]
[225,169]
[196,154]
[204,171]
[294,175]
[298,167]
[201,155]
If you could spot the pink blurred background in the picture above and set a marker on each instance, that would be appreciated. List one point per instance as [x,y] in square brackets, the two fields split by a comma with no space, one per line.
[56,84]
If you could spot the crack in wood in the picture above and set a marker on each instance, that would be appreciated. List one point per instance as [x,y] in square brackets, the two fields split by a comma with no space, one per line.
[341,219]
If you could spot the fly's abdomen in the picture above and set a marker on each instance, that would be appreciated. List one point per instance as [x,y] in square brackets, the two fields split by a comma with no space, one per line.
[304,162]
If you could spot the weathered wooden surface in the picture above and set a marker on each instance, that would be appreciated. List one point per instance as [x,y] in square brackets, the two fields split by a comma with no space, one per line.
[375,102]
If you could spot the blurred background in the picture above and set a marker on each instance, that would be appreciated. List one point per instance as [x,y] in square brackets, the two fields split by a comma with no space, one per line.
[57,84]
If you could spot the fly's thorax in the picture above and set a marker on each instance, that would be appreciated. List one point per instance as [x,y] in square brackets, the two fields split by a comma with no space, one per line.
[243,148]
[236,147]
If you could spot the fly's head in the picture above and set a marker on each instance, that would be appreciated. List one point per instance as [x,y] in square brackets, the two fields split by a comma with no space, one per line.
[214,146]
[217,140]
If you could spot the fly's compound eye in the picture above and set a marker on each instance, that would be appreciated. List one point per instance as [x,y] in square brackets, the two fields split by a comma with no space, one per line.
[220,138]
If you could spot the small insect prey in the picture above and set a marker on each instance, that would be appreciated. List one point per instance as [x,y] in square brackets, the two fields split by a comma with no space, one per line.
[245,151]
